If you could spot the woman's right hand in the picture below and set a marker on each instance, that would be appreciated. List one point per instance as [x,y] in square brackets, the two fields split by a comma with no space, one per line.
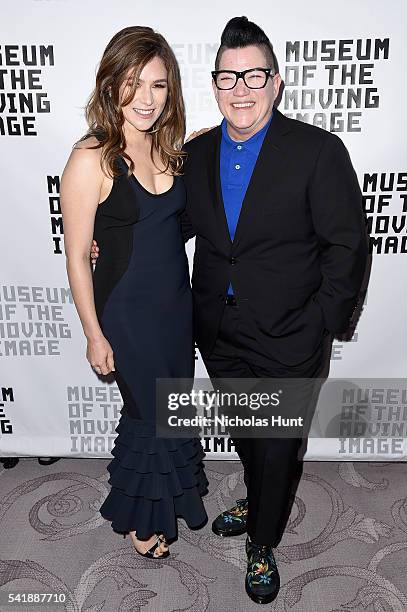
[99,353]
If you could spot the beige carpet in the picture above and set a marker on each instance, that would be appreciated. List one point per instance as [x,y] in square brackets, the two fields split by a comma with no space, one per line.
[345,546]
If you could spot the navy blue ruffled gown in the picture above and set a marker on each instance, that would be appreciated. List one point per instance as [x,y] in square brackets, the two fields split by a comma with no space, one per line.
[144,306]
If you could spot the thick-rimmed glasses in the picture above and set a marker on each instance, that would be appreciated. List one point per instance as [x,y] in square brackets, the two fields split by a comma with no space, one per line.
[253,78]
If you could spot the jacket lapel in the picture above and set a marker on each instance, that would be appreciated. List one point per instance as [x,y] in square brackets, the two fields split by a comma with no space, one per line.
[269,164]
[213,164]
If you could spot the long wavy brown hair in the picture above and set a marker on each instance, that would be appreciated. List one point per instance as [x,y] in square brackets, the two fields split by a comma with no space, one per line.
[132,48]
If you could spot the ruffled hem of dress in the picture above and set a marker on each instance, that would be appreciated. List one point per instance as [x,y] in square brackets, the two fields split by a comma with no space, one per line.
[154,481]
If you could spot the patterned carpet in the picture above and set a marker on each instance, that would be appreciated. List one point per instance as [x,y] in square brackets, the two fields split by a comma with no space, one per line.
[345,546]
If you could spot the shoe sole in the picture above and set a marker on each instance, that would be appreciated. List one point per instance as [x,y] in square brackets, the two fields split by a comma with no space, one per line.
[227,534]
[258,598]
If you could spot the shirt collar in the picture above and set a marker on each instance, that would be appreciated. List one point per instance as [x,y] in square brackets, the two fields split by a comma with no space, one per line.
[252,143]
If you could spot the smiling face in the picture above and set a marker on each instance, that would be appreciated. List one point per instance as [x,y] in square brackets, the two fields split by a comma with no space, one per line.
[246,110]
[149,98]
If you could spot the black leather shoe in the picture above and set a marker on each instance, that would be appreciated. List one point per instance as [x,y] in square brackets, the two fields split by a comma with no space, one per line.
[48,460]
[262,578]
[9,462]
[232,522]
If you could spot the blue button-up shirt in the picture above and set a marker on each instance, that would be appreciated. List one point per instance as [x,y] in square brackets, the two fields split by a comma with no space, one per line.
[237,161]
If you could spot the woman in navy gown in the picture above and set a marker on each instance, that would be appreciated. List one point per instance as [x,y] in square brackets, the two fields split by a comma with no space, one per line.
[122,185]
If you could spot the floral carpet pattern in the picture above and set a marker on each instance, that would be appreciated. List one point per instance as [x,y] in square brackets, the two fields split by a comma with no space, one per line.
[344,548]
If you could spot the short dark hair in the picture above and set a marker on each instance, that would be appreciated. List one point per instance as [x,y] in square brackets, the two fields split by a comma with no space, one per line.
[240,32]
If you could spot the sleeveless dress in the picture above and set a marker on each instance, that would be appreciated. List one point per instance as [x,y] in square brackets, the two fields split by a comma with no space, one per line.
[143,302]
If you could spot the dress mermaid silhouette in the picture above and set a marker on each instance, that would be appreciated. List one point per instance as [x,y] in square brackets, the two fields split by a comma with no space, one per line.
[144,306]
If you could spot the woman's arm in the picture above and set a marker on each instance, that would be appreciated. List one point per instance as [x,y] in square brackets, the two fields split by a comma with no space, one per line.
[80,193]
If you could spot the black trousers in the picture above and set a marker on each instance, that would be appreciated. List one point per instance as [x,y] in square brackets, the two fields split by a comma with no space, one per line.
[272,466]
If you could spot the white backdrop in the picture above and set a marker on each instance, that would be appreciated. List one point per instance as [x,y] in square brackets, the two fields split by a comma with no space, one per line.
[343,70]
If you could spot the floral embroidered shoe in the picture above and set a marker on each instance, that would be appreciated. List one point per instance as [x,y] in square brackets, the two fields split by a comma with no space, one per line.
[262,578]
[232,522]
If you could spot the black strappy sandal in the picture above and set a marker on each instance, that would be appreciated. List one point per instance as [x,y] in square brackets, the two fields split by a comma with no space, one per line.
[163,540]
[150,552]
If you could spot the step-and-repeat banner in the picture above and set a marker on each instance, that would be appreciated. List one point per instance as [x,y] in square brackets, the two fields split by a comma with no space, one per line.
[343,70]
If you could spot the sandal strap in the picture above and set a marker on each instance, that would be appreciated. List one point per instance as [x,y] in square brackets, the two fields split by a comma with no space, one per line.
[149,552]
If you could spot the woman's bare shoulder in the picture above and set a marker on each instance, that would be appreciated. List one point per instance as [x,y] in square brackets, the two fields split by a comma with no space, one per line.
[84,160]
[84,150]
[88,144]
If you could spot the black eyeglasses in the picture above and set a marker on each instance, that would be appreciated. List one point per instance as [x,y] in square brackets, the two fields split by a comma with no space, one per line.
[253,78]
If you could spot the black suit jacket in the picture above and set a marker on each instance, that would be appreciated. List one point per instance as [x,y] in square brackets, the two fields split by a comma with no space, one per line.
[300,248]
